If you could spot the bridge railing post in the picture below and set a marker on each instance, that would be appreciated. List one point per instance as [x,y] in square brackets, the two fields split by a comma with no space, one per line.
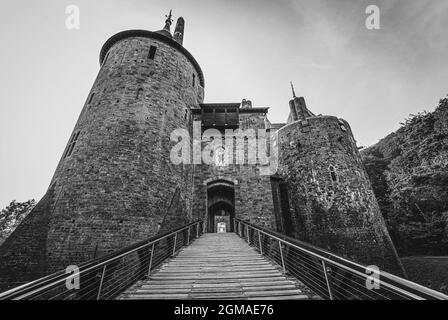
[101,283]
[175,243]
[259,242]
[281,256]
[197,230]
[150,259]
[188,237]
[327,280]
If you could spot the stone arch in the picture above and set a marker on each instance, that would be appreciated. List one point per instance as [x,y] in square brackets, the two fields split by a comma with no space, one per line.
[220,206]
[217,178]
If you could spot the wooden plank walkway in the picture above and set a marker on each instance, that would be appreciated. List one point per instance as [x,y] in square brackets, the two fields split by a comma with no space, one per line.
[218,266]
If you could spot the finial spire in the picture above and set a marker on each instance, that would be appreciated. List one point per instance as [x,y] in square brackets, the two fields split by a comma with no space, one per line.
[168,21]
[293,92]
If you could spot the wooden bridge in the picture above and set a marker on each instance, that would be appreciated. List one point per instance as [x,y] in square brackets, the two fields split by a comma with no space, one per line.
[218,266]
[249,263]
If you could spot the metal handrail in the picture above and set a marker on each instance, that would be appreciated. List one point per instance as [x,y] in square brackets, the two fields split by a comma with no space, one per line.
[327,274]
[145,256]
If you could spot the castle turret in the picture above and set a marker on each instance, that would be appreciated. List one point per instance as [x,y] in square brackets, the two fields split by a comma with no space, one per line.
[292,112]
[179,31]
[298,108]
[329,199]
[115,184]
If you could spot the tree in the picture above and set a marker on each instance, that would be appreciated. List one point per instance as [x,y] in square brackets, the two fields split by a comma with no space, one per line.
[12,216]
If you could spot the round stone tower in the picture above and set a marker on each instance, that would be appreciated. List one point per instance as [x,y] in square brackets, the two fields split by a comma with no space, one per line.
[331,201]
[115,184]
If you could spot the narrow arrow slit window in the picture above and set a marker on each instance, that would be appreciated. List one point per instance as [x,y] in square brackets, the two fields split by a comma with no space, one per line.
[91,98]
[334,176]
[72,144]
[152,52]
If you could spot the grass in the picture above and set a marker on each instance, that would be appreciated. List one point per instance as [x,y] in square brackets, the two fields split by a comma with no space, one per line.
[428,271]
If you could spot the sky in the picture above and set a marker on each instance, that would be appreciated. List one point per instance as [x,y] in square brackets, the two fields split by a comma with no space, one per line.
[247,49]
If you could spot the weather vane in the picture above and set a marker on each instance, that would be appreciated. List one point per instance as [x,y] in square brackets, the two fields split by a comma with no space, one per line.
[169,17]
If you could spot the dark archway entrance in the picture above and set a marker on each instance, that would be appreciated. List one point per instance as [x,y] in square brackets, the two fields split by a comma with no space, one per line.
[220,205]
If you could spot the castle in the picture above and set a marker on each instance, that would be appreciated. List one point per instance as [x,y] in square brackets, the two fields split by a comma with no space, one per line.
[116,184]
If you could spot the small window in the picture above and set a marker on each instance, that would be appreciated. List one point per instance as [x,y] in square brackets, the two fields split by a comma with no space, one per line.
[139,93]
[152,52]
[91,98]
[71,144]
[333,174]
[194,80]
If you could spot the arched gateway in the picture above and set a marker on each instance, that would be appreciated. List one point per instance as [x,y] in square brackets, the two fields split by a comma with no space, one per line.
[220,205]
